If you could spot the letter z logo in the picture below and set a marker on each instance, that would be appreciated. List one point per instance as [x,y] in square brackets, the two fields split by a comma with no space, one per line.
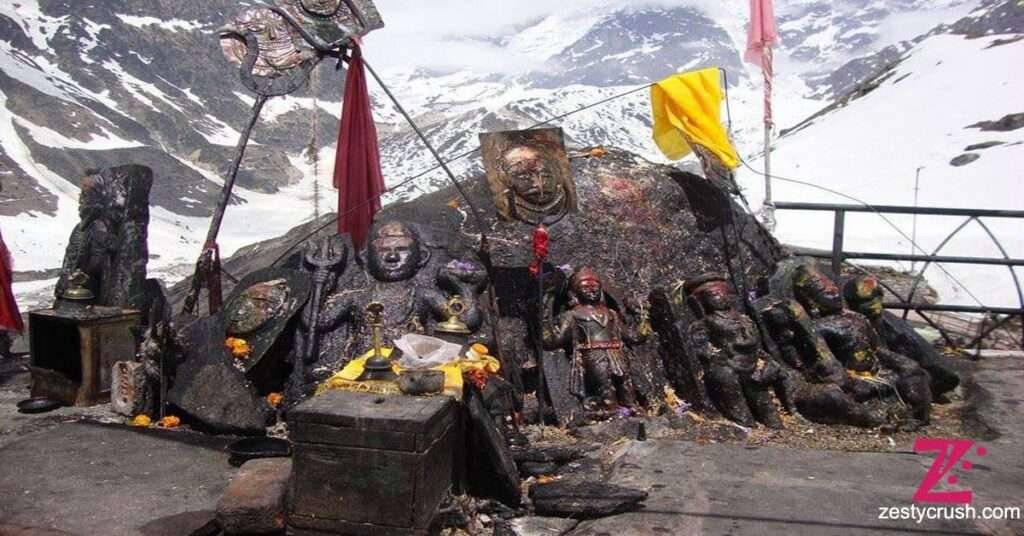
[949,453]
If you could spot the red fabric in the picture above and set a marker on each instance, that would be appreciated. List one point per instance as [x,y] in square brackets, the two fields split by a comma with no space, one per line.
[10,317]
[762,33]
[357,174]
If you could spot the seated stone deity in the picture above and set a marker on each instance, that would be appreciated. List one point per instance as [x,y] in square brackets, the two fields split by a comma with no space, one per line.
[415,298]
[864,295]
[811,380]
[738,373]
[874,369]
[596,337]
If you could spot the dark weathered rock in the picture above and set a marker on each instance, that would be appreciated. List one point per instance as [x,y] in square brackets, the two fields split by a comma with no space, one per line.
[528,469]
[254,502]
[964,159]
[1004,124]
[902,338]
[983,145]
[547,454]
[210,390]
[584,500]
[491,471]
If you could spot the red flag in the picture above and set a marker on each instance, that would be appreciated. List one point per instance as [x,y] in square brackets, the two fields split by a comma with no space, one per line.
[762,34]
[357,174]
[10,317]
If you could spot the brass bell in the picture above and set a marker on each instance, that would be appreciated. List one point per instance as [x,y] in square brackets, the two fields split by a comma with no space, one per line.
[76,290]
[454,308]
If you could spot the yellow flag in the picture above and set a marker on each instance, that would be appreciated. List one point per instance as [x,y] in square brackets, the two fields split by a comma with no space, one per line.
[687,111]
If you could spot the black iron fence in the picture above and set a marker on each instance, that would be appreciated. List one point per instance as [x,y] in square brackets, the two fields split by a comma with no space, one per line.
[839,255]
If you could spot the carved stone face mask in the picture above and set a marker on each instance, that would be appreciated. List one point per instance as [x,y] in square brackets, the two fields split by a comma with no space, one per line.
[530,176]
[864,295]
[587,286]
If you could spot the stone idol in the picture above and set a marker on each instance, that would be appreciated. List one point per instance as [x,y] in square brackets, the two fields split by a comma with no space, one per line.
[864,295]
[596,337]
[415,286]
[738,372]
[875,370]
[109,242]
[529,175]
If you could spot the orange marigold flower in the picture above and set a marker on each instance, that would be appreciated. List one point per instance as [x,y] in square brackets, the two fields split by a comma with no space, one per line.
[239,348]
[142,421]
[170,421]
[274,399]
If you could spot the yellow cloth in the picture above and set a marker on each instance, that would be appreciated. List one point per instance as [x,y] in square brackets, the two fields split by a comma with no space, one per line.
[687,110]
[453,371]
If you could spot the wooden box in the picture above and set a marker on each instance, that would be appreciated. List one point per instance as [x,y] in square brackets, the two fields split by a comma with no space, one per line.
[368,464]
[73,352]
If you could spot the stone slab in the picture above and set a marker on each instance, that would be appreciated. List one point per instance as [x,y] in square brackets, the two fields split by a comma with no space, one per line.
[255,500]
[89,479]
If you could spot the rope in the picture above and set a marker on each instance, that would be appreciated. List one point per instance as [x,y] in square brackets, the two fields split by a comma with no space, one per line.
[455,158]
[443,164]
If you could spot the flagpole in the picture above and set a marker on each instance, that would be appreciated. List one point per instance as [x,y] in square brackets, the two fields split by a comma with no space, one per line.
[768,207]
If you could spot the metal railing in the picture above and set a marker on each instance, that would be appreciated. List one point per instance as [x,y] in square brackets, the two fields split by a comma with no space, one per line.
[839,255]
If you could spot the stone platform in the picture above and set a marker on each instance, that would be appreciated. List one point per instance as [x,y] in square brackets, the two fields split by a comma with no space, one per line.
[84,479]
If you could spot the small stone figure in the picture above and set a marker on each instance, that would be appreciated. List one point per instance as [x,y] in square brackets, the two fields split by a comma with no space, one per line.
[109,243]
[395,276]
[874,368]
[597,336]
[739,374]
[811,381]
[864,295]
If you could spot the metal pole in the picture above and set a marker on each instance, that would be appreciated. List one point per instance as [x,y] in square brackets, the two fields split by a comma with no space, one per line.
[207,255]
[913,231]
[768,207]
[837,243]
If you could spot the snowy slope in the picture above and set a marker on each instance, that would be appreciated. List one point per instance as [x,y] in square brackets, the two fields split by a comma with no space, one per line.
[920,116]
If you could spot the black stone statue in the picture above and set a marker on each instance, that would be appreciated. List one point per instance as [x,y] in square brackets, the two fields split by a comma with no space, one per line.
[596,337]
[875,370]
[738,373]
[415,298]
[864,295]
[109,243]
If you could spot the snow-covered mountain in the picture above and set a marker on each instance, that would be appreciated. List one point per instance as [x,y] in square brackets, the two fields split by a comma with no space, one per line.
[90,84]
[942,123]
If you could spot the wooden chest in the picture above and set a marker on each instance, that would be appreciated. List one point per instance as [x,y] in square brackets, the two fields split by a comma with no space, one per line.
[73,353]
[368,464]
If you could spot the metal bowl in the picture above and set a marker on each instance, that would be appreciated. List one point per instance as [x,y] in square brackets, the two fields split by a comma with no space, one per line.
[258,447]
[38,405]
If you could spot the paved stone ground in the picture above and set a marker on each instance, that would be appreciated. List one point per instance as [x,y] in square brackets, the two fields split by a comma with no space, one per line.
[68,473]
[734,490]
